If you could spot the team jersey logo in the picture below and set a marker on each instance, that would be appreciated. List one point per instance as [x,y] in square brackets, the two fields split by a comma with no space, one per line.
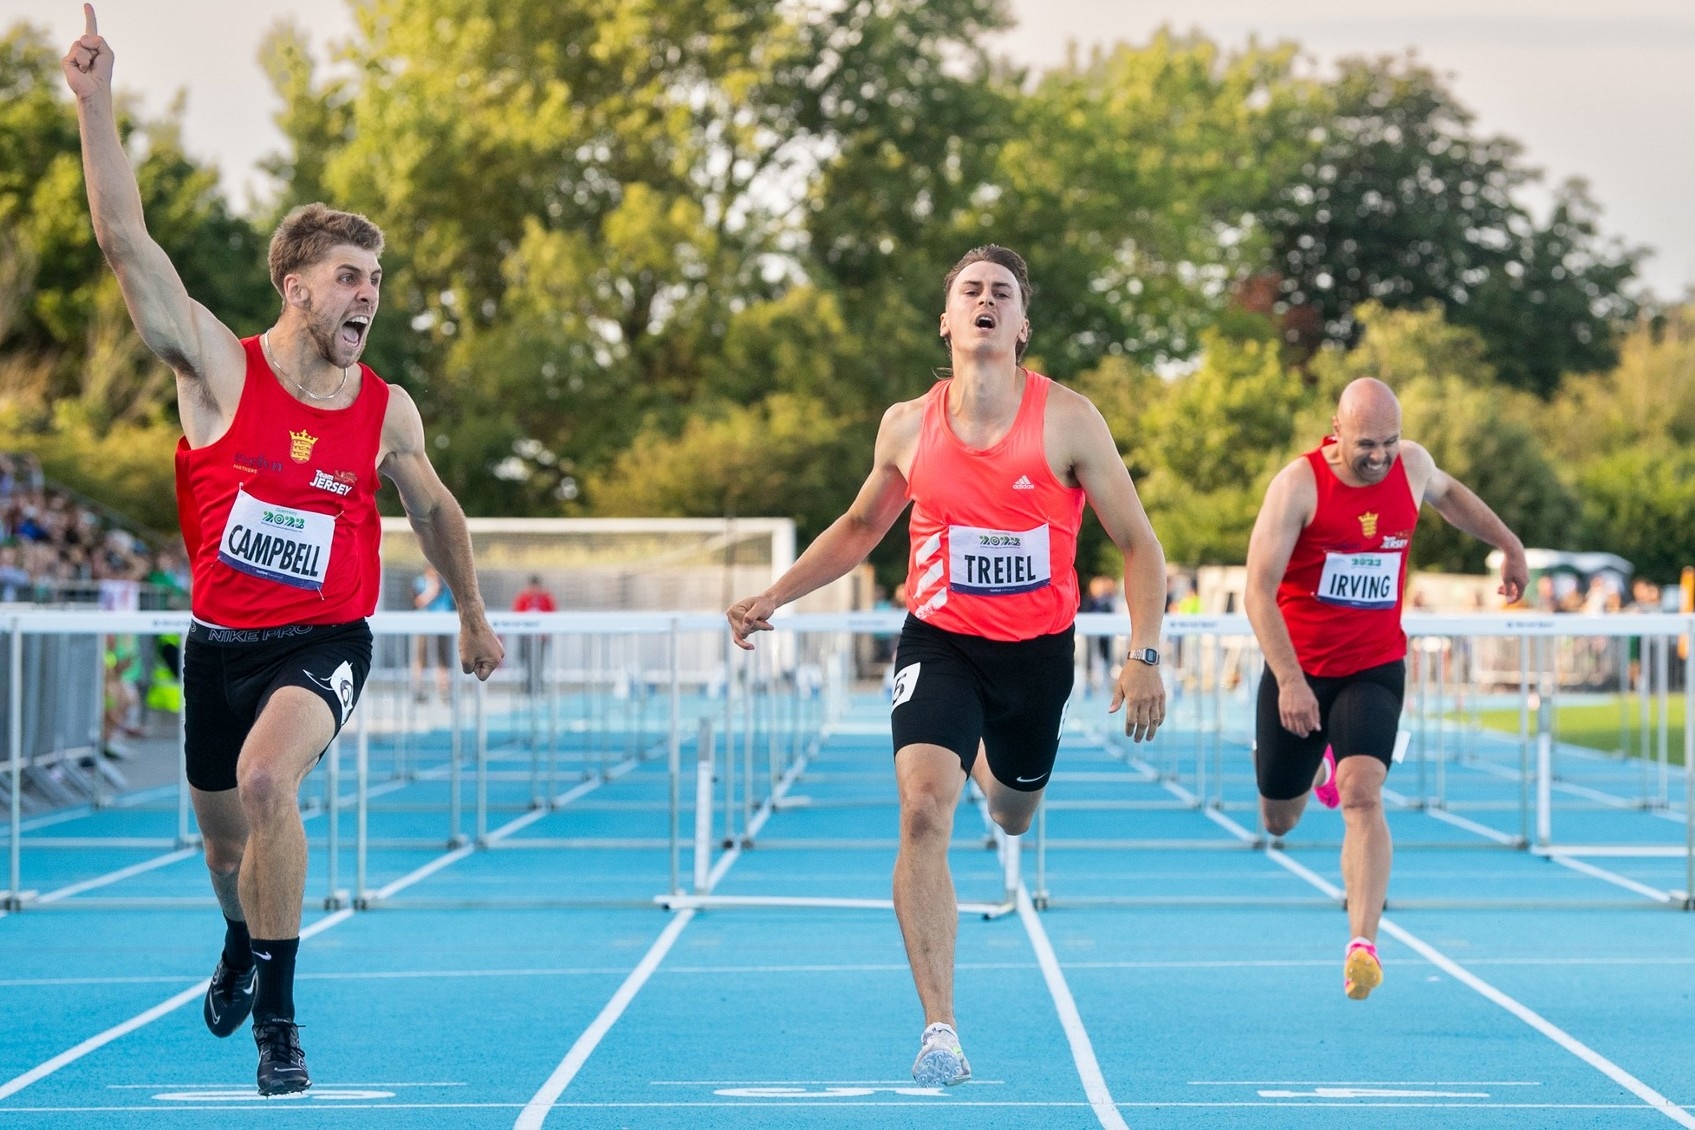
[1368,524]
[1024,483]
[323,480]
[300,445]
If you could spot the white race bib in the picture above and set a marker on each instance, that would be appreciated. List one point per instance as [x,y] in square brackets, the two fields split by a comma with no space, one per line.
[1361,580]
[278,543]
[998,562]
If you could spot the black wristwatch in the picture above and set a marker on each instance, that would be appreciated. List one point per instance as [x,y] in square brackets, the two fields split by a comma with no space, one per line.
[1146,654]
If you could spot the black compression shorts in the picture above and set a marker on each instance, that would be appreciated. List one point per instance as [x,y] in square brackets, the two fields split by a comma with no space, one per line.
[1358,716]
[229,674]
[954,690]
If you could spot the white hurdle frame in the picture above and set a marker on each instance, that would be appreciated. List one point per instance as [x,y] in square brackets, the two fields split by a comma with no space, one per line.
[803,667]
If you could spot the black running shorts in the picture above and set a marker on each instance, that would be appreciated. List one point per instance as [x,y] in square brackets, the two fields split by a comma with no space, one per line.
[955,690]
[1358,716]
[229,674]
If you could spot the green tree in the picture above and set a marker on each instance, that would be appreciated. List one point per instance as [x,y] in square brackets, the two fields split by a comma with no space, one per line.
[740,460]
[1647,399]
[1128,179]
[1476,430]
[1214,440]
[77,387]
[641,173]
[1639,502]
[1402,203]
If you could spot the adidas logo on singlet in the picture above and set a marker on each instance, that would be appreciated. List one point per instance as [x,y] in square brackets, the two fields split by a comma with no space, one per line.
[1024,483]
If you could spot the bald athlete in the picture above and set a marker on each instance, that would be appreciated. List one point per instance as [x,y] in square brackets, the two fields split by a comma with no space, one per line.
[1327,570]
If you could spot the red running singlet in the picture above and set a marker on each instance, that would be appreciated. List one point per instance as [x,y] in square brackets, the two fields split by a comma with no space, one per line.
[279,514]
[994,533]
[1341,594]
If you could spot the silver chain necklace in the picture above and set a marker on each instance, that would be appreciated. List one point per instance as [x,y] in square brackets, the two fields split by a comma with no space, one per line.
[265,344]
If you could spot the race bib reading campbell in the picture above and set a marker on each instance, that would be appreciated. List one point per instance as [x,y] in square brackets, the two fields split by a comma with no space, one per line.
[278,543]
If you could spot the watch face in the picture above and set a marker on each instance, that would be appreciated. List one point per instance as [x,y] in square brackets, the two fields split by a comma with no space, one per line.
[1147,655]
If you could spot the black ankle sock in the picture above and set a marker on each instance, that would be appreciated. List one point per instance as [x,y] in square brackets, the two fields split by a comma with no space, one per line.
[275,959]
[238,947]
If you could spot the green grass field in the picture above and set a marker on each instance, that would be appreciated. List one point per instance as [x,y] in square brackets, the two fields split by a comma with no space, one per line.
[1596,725]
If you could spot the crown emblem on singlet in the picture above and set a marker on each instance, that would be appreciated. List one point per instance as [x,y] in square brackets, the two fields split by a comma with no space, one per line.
[300,445]
[1368,524]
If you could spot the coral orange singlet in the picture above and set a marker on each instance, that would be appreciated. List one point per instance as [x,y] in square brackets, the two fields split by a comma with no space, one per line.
[994,532]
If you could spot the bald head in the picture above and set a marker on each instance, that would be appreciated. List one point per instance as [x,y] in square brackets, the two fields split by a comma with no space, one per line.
[1369,400]
[1368,429]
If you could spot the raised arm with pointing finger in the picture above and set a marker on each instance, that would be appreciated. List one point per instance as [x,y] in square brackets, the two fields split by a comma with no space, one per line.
[285,435]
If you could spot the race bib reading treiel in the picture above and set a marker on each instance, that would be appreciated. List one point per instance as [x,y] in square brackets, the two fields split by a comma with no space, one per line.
[278,543]
[998,562]
[1361,580]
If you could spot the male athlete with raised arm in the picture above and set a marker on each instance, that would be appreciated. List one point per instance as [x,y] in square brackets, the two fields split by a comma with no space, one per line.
[284,435]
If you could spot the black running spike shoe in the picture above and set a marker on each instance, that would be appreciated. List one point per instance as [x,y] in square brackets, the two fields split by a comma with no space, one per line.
[229,998]
[282,1065]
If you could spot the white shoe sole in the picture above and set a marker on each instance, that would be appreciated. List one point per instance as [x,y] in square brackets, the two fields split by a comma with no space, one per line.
[940,1068]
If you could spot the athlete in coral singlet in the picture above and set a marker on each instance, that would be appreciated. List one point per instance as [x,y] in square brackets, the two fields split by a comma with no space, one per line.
[284,436]
[997,462]
[1327,568]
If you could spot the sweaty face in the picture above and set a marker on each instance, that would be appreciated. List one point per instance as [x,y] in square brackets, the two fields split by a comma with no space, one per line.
[339,296]
[985,311]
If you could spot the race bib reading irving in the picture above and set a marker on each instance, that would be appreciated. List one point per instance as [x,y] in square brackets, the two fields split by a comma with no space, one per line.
[278,543]
[1361,580]
[998,562]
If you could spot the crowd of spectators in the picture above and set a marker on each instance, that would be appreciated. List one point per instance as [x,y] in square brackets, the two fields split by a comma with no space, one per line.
[56,549]
[1603,594]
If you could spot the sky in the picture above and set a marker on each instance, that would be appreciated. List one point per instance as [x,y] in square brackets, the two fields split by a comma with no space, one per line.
[1607,96]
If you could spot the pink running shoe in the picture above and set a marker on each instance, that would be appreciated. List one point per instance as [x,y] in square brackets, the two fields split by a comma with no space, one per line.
[1326,791]
[1361,971]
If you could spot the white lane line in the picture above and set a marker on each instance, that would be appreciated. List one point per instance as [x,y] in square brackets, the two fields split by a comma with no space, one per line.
[71,1055]
[1277,856]
[194,992]
[1612,877]
[535,1111]
[224,1086]
[1555,1033]
[975,1082]
[1567,1041]
[1576,1047]
[1471,826]
[1082,1051]
[118,876]
[162,860]
[1559,856]
[839,1104]
[100,1040]
[1363,1083]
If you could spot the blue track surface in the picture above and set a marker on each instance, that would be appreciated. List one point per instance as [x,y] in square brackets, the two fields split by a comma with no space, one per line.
[1195,980]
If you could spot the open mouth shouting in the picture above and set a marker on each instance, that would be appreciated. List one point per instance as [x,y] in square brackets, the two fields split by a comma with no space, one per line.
[354,329]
